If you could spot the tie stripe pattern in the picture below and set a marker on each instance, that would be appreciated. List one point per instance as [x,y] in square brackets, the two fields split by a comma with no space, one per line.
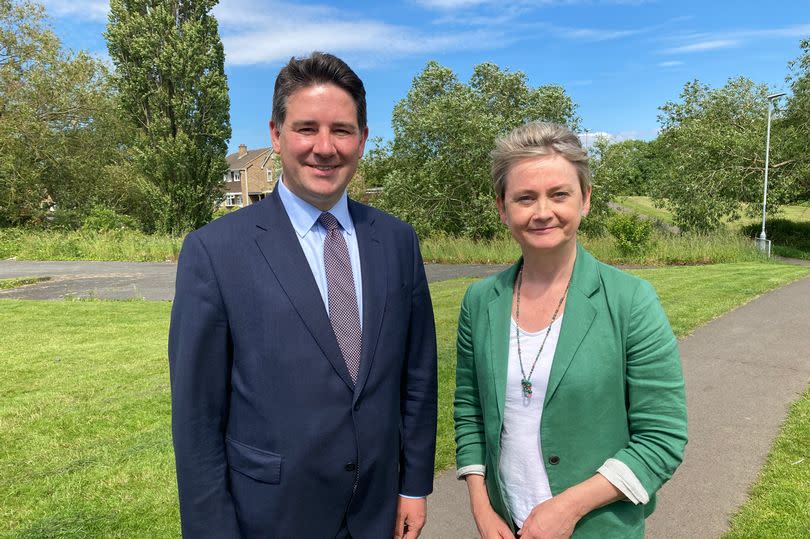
[343,311]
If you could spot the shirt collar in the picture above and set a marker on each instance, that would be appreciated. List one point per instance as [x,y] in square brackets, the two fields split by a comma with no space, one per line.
[304,215]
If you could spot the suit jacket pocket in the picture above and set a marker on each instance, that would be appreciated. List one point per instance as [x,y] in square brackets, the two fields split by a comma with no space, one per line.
[255,463]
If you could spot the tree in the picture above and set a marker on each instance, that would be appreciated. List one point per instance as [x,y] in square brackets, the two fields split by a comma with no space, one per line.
[712,149]
[435,171]
[59,126]
[170,75]
[794,130]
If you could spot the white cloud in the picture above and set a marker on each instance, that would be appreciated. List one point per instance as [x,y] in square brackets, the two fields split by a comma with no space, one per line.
[89,10]
[671,63]
[285,29]
[589,138]
[700,46]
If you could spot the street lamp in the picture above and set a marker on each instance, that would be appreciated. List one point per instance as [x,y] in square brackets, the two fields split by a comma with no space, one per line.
[762,241]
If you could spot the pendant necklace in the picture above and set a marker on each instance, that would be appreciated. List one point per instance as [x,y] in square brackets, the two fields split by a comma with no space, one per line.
[526,381]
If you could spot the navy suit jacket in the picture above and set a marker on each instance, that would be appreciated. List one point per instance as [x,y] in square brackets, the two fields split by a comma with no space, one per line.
[271,437]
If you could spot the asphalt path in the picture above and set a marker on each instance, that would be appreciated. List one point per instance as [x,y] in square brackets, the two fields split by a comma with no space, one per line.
[144,280]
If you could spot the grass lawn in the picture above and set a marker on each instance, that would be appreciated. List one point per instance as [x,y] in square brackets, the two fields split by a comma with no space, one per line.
[779,505]
[85,448]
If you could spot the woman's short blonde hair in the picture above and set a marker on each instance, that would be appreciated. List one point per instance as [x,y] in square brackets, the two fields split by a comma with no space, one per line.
[533,140]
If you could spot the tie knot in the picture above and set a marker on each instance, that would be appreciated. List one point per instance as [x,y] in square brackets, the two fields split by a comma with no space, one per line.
[329,221]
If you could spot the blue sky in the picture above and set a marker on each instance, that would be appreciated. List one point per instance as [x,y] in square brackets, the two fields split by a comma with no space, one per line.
[618,59]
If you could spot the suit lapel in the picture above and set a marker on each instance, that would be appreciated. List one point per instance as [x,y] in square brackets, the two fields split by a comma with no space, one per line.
[577,319]
[279,244]
[373,268]
[500,317]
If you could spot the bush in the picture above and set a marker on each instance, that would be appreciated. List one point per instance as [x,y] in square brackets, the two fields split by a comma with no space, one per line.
[790,238]
[101,219]
[632,233]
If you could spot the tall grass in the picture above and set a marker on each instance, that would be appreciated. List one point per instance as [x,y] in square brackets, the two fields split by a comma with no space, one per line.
[664,250]
[129,245]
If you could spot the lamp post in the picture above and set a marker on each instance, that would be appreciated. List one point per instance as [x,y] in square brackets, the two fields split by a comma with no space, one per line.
[762,241]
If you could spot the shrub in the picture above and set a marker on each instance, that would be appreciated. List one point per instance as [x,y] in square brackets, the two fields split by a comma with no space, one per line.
[632,233]
[101,219]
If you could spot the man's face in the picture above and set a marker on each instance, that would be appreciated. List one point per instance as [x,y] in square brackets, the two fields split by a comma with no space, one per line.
[319,143]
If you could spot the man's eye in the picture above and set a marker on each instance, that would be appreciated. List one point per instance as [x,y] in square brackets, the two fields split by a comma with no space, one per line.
[561,194]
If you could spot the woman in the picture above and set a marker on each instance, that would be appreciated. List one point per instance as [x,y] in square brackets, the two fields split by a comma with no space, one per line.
[569,407]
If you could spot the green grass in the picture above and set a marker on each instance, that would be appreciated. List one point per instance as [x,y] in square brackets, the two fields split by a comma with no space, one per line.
[645,206]
[123,245]
[666,249]
[85,447]
[6,284]
[779,504]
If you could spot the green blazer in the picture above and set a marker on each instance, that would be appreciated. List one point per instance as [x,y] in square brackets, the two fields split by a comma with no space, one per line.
[615,389]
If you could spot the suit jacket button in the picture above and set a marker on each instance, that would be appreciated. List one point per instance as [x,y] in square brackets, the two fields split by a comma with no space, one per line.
[554,459]
[350,466]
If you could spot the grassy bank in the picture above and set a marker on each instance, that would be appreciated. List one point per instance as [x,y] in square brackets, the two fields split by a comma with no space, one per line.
[666,249]
[6,284]
[85,447]
[779,504]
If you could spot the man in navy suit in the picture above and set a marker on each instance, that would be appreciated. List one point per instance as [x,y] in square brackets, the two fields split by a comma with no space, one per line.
[276,433]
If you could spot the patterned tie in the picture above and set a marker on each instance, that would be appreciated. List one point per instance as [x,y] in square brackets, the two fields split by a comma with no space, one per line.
[343,312]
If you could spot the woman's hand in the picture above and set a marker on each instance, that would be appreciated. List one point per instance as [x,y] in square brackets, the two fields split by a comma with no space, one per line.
[491,525]
[554,518]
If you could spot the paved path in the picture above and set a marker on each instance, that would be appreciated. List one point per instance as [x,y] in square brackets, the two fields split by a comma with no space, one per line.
[742,372]
[147,280]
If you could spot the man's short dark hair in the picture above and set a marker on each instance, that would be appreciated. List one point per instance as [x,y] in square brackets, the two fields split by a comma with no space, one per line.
[317,68]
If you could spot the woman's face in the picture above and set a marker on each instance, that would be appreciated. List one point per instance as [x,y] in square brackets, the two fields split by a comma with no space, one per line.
[543,203]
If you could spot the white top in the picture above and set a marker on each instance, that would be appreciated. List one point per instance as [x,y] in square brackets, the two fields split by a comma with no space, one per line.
[522,470]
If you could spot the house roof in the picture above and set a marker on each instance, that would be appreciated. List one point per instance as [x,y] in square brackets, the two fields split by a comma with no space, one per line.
[238,163]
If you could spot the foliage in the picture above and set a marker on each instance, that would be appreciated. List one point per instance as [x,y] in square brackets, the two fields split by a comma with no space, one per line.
[624,168]
[16,282]
[102,219]
[59,123]
[712,158]
[631,232]
[790,238]
[435,171]
[794,130]
[170,75]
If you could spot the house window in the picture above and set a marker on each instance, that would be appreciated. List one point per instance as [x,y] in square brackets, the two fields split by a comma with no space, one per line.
[233,199]
[269,174]
[236,175]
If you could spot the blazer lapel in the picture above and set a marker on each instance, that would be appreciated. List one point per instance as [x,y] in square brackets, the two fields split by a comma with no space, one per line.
[577,318]
[373,268]
[279,244]
[500,317]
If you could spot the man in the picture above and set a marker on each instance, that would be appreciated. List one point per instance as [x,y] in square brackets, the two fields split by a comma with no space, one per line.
[302,346]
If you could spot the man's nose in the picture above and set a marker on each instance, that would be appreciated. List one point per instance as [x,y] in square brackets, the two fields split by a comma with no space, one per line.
[542,209]
[324,144]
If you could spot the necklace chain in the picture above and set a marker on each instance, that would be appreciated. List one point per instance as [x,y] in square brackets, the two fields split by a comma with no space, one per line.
[526,381]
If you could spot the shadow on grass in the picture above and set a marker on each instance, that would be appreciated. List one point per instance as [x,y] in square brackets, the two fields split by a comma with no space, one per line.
[76,523]
[790,238]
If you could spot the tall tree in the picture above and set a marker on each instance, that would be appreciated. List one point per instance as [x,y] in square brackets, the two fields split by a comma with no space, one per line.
[58,123]
[712,150]
[435,171]
[794,130]
[170,75]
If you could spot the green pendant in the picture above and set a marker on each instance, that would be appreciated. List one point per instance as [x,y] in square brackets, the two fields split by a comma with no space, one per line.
[527,387]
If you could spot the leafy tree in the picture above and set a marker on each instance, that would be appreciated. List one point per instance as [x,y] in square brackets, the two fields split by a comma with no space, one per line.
[712,147]
[794,131]
[170,75]
[436,170]
[59,126]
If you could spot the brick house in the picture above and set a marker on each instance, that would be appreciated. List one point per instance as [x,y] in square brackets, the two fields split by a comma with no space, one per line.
[251,176]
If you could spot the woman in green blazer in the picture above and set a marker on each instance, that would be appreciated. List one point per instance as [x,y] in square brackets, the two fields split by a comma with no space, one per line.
[569,408]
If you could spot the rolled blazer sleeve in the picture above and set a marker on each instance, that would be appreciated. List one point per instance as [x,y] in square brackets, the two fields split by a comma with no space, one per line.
[419,399]
[469,420]
[656,404]
[199,366]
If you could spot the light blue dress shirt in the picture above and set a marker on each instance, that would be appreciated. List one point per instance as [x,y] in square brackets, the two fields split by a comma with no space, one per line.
[311,235]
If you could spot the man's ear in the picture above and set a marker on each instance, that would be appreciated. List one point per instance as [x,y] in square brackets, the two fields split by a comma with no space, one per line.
[275,136]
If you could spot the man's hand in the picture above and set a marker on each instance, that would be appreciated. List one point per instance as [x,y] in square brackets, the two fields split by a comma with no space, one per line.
[411,515]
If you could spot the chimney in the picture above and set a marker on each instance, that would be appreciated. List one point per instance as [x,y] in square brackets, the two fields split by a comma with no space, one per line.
[242,150]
